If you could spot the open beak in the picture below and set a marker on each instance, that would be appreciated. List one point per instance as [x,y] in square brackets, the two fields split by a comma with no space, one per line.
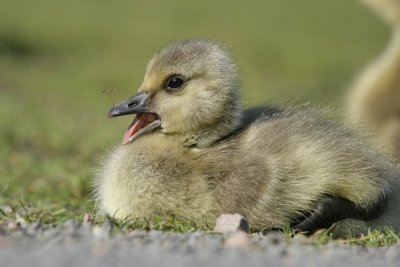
[145,120]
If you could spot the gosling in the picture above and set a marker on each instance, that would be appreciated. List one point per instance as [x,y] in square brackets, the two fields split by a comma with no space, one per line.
[374,100]
[193,152]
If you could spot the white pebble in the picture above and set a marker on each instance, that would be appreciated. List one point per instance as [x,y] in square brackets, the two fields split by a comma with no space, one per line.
[231,223]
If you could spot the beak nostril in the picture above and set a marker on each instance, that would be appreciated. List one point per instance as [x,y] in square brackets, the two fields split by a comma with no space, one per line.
[133,104]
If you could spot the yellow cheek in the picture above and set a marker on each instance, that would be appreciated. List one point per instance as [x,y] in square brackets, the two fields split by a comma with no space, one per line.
[173,111]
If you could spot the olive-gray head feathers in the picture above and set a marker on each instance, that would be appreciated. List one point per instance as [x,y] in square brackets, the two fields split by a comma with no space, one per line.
[194,91]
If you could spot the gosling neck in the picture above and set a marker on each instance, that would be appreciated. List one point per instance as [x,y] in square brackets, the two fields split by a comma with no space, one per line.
[394,46]
[390,59]
[226,124]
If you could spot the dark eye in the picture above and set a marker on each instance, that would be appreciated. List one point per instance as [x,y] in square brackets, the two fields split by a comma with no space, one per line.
[174,83]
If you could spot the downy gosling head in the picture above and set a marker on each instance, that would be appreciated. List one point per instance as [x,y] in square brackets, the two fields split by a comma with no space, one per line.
[190,90]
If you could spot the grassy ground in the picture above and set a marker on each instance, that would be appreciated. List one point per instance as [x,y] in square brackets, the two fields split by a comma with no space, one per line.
[57,59]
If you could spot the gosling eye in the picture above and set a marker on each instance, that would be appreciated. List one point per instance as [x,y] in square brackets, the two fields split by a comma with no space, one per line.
[175,83]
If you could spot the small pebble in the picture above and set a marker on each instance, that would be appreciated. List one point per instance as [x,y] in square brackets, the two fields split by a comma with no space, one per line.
[72,229]
[237,239]
[393,253]
[87,219]
[13,226]
[71,225]
[231,223]
[137,233]
[20,221]
[275,238]
[100,233]
[33,229]
[108,225]
[52,233]
[6,208]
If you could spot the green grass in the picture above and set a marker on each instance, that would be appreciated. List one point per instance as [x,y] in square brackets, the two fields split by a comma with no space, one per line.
[58,58]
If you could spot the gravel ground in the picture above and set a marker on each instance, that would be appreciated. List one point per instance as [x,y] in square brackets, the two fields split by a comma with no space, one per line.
[82,244]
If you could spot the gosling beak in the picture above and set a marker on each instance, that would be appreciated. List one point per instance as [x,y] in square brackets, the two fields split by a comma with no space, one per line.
[133,105]
[145,120]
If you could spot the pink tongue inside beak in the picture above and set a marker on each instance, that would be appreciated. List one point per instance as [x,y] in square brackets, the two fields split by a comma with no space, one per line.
[141,121]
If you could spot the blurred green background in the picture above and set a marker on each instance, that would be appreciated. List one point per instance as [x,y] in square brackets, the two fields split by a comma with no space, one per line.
[58,57]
